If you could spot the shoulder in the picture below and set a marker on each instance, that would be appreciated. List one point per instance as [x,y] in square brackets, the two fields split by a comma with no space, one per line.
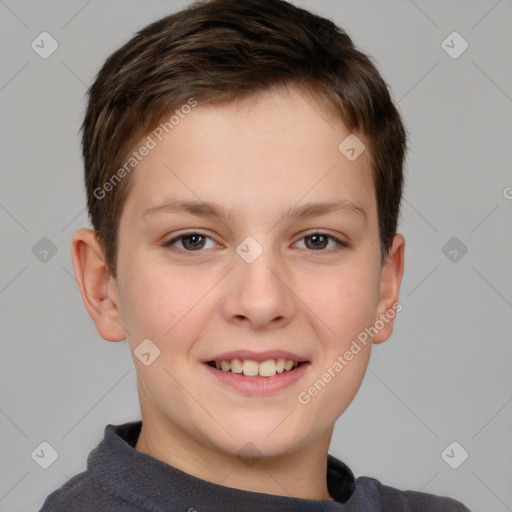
[391,499]
[81,494]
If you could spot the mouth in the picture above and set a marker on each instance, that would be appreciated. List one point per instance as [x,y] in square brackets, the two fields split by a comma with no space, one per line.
[253,368]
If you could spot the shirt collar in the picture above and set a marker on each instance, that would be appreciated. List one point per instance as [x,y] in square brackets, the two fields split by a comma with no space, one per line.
[138,478]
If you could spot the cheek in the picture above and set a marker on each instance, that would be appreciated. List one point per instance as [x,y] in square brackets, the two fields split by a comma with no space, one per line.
[347,307]
[152,301]
[165,306]
[346,301]
[347,304]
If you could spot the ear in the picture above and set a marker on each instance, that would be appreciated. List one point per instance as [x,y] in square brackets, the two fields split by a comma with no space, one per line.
[97,287]
[390,281]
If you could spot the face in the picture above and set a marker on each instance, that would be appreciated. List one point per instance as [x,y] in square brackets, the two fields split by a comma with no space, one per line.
[258,267]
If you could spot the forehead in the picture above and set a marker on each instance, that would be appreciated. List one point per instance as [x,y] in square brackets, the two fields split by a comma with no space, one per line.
[273,149]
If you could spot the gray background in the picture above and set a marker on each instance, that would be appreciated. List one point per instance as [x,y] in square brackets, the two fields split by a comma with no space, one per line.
[443,376]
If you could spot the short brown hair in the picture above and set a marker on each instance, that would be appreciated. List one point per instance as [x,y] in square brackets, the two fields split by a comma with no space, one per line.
[217,51]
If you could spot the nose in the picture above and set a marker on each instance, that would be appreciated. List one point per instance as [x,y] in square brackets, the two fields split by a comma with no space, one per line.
[259,292]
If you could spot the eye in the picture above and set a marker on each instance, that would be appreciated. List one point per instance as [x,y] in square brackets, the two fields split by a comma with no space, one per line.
[318,241]
[195,242]
[190,242]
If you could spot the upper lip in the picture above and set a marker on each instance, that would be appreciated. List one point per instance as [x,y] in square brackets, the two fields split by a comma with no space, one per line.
[256,356]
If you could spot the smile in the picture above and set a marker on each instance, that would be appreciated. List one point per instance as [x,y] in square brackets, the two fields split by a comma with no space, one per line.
[252,368]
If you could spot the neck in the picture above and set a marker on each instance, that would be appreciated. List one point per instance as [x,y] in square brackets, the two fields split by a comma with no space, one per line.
[300,474]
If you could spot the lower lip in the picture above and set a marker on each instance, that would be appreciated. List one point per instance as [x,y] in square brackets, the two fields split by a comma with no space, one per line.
[259,385]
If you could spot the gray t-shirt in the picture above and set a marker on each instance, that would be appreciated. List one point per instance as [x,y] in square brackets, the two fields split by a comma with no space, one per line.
[121,479]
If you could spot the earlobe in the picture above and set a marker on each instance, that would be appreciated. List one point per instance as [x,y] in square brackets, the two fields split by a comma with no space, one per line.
[391,279]
[97,287]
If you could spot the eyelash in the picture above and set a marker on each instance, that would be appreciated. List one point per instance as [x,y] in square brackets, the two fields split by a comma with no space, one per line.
[341,245]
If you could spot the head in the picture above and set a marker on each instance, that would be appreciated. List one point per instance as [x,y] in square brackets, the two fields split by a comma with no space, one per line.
[244,106]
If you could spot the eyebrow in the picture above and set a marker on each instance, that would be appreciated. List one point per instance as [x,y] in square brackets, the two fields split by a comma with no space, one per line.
[207,209]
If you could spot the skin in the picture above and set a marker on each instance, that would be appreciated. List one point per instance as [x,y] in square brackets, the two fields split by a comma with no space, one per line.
[258,157]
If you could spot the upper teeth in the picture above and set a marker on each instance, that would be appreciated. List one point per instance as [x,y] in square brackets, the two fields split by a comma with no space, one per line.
[250,367]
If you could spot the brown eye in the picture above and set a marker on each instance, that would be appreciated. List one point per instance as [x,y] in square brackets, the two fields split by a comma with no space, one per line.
[190,242]
[319,241]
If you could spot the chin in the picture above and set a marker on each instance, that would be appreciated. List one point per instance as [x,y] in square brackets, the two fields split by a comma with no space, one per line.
[256,441]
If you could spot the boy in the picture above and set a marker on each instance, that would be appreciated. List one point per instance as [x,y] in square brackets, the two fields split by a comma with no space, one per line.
[243,166]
